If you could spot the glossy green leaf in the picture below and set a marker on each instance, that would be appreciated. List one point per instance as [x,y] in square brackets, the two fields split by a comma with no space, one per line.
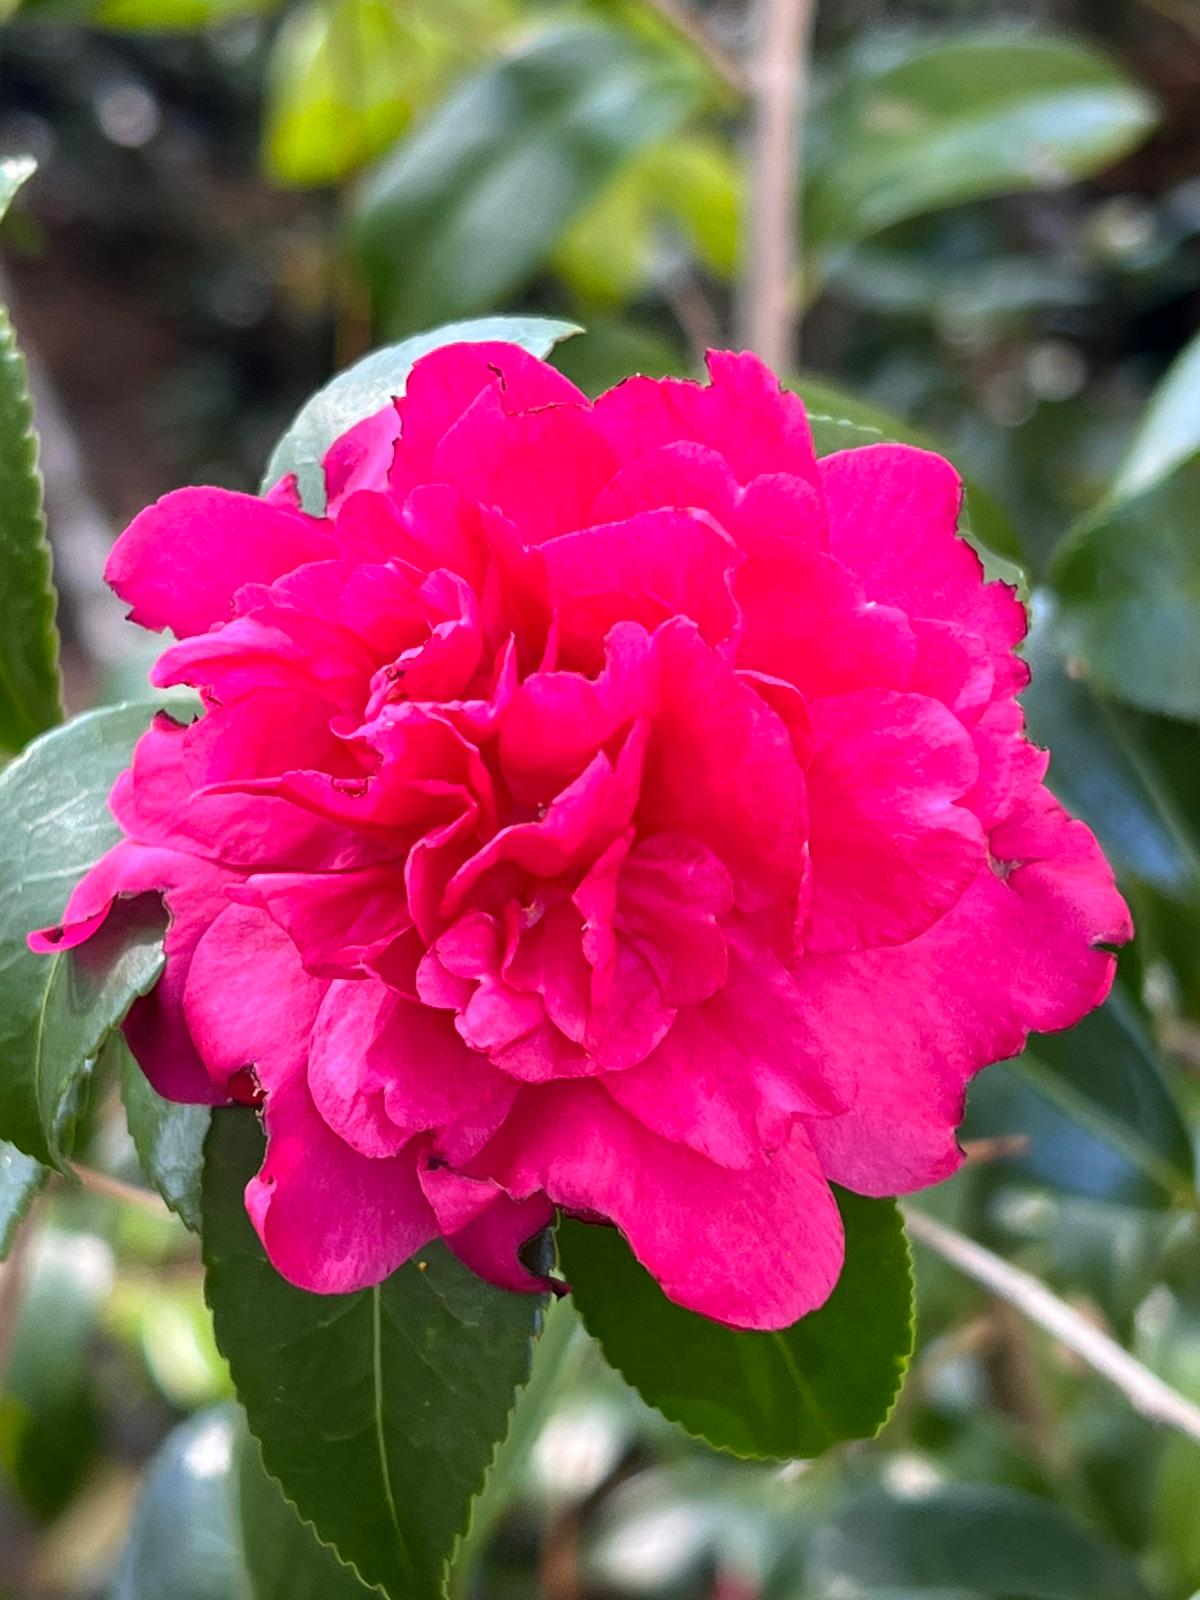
[555,1364]
[1098,1110]
[1170,429]
[185,1542]
[833,1375]
[964,1543]
[371,383]
[1103,772]
[14,171]
[1176,1525]
[615,347]
[20,1179]
[210,1525]
[56,1011]
[466,210]
[169,1138]
[345,78]
[841,421]
[687,188]
[1128,584]
[911,127]
[1124,772]
[145,16]
[378,1412]
[284,1559]
[30,696]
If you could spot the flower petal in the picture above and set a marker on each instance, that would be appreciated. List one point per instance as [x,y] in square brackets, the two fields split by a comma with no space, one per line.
[179,564]
[892,846]
[1020,951]
[754,1249]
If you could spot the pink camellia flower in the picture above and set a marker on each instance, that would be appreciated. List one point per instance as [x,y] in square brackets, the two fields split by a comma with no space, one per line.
[604,805]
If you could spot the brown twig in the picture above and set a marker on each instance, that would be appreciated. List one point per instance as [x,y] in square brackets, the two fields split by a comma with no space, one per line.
[1003,1147]
[682,20]
[694,313]
[127,1194]
[1183,13]
[779,71]
[1145,1390]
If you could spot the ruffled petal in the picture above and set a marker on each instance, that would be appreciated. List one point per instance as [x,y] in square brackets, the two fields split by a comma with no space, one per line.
[383,1068]
[719,761]
[653,566]
[336,920]
[445,383]
[893,519]
[485,1229]
[179,564]
[755,1249]
[543,470]
[156,1029]
[734,1073]
[249,1004]
[743,413]
[892,845]
[807,618]
[332,1221]
[1022,951]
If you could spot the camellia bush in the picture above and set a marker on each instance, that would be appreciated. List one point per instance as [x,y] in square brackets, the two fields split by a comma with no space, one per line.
[584,858]
[605,834]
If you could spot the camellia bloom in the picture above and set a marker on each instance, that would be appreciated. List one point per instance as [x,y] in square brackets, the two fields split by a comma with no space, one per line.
[604,805]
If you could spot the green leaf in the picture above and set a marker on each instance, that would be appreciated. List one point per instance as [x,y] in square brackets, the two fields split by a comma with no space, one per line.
[1126,774]
[1127,580]
[345,78]
[688,187]
[20,1179]
[833,1375]
[1098,1110]
[378,1412]
[841,421]
[554,1368]
[56,1011]
[914,127]
[185,1542]
[30,697]
[1176,1525]
[466,210]
[371,383]
[615,347]
[1170,430]
[169,1138]
[210,1525]
[146,16]
[1103,771]
[284,1559]
[14,171]
[964,1542]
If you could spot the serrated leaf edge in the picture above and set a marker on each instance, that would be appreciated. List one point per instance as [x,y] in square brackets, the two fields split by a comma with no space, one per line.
[901,1361]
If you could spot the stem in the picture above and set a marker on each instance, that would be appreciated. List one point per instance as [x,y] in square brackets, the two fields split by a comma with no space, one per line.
[1002,1148]
[1179,12]
[695,32]
[779,73]
[694,314]
[127,1194]
[1145,1390]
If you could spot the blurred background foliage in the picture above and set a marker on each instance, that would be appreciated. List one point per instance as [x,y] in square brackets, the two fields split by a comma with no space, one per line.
[1000,244]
